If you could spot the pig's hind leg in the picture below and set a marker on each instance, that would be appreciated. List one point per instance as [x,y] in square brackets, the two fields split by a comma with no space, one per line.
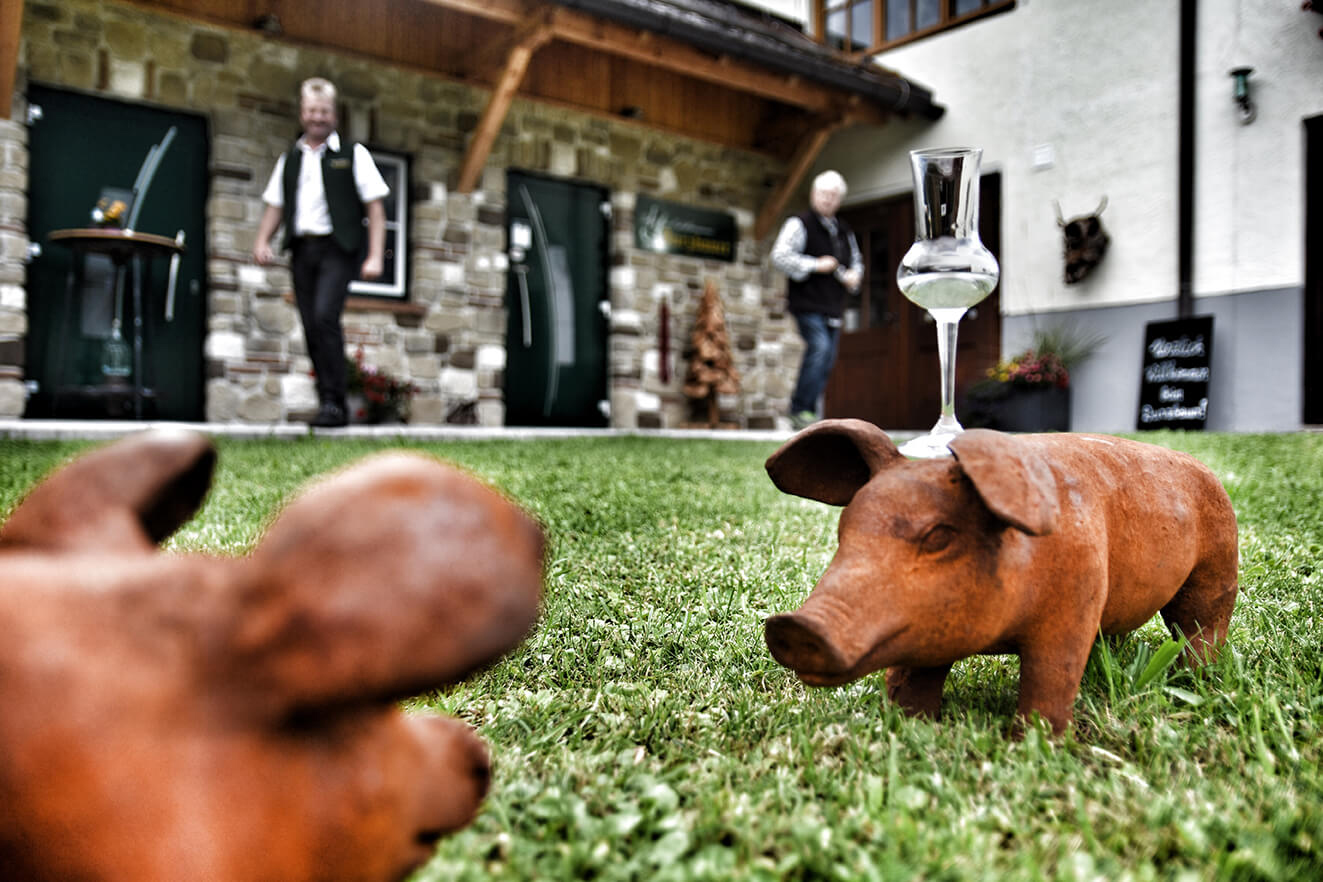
[918,691]
[1201,610]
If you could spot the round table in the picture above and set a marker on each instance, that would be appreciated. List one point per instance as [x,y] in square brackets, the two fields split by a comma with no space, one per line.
[120,246]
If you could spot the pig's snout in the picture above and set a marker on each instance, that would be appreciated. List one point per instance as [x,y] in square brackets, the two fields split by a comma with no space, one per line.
[456,775]
[796,643]
[479,764]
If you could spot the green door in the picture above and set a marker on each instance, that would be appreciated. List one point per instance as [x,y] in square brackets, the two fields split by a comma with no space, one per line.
[557,299]
[79,147]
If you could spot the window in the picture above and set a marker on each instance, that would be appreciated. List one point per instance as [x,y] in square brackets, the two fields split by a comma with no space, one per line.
[858,26]
[849,25]
[394,276]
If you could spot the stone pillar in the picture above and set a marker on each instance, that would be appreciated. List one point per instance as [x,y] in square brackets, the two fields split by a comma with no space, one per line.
[13,257]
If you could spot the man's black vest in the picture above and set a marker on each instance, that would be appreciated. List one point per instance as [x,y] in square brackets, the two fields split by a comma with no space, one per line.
[341,195]
[821,292]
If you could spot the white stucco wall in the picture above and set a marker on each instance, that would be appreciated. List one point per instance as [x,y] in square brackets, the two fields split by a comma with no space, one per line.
[1072,100]
[795,10]
[1092,87]
[1249,196]
[1068,109]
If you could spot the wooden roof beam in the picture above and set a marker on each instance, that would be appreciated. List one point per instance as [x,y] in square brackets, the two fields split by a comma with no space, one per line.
[667,53]
[805,155]
[530,36]
[11,28]
[511,12]
[488,63]
[678,57]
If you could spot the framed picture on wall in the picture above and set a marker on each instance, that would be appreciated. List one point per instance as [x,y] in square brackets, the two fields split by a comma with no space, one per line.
[393,283]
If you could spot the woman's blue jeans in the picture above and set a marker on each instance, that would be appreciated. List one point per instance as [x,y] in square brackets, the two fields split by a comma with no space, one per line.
[821,335]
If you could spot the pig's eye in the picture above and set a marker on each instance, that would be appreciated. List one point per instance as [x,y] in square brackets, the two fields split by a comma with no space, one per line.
[937,539]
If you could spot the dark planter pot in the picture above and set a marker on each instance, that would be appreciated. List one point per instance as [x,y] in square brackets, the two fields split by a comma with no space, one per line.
[362,413]
[1042,409]
[357,406]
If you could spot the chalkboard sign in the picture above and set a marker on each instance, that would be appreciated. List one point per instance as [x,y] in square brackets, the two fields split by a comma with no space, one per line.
[1173,389]
[683,229]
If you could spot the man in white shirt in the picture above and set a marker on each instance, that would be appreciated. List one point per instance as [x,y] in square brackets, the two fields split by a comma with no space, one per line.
[321,196]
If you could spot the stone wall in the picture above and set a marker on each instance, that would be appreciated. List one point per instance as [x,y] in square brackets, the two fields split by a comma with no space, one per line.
[13,253]
[450,338]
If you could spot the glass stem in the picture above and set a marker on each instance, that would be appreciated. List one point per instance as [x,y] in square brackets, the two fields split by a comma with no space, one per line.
[948,324]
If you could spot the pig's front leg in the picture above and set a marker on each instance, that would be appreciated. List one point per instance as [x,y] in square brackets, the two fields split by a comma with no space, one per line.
[1050,674]
[917,690]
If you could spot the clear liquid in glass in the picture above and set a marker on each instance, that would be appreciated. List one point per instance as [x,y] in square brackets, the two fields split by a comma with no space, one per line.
[947,290]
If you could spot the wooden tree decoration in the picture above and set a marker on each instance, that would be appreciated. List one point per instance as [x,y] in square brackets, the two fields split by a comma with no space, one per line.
[711,365]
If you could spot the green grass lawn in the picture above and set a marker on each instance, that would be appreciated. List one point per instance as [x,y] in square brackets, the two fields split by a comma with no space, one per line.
[643,731]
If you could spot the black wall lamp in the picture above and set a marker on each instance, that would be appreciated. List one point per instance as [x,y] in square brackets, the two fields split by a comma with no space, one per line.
[1240,93]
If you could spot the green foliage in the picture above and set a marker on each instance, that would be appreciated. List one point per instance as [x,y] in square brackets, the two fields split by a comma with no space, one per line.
[1066,341]
[644,732]
[1055,352]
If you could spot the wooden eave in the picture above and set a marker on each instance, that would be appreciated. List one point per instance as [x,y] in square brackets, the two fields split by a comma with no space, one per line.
[11,28]
[652,50]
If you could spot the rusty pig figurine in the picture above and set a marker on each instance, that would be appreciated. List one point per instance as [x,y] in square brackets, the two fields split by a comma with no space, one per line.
[173,716]
[1029,545]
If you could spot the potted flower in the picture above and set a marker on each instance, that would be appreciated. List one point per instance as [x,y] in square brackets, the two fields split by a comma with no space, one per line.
[374,395]
[1030,391]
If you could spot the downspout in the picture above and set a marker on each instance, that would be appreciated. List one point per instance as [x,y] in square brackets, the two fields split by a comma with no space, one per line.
[1185,162]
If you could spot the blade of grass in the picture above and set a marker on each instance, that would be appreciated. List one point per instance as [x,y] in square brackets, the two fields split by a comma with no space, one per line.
[1162,659]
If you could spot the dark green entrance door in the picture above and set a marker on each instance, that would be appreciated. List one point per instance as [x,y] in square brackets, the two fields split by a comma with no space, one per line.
[556,294]
[79,146]
[1313,379]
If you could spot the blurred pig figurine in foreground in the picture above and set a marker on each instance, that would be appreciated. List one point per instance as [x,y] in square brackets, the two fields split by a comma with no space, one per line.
[1029,545]
[172,716]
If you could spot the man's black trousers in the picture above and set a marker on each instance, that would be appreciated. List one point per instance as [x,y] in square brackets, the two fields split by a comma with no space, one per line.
[322,273]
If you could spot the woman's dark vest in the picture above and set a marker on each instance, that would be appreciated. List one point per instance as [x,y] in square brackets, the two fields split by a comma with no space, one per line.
[341,195]
[821,292]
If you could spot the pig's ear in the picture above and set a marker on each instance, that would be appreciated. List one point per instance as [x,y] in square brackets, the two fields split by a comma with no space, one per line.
[1011,478]
[393,577]
[829,461]
[130,494]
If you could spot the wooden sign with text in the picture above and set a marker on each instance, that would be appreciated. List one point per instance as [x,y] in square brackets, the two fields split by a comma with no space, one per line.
[670,228]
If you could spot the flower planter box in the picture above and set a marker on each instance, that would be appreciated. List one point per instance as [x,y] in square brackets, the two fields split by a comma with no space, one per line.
[1041,409]
[374,397]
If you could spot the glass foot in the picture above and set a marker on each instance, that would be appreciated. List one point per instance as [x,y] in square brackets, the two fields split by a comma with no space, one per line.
[934,444]
[928,446]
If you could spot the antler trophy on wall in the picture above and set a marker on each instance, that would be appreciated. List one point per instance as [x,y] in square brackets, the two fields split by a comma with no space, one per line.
[1086,241]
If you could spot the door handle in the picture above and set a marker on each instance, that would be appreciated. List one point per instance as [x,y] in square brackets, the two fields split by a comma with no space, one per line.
[174,279]
[521,270]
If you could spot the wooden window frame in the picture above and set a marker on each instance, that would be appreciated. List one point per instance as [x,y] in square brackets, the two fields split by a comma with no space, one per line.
[947,19]
[395,285]
[827,7]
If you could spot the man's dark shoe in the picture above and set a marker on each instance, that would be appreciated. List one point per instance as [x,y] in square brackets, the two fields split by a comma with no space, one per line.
[330,416]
